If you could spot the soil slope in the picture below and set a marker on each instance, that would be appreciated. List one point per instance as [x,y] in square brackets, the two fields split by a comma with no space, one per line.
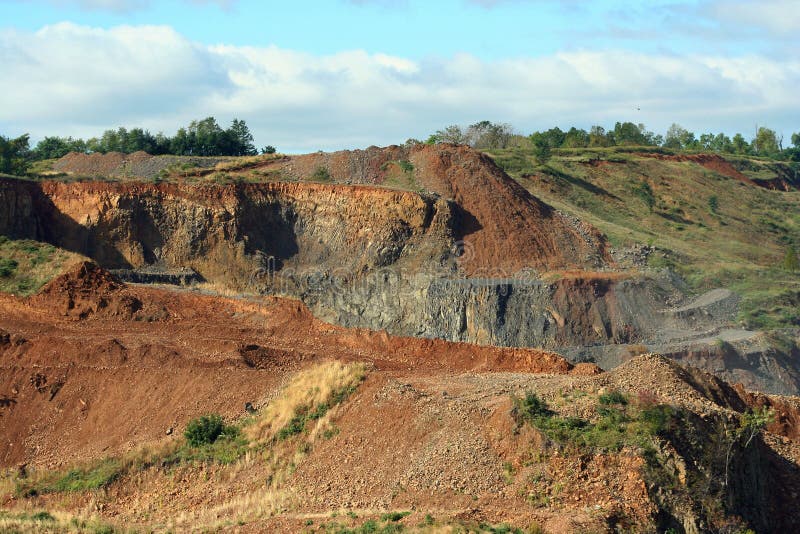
[431,430]
[92,366]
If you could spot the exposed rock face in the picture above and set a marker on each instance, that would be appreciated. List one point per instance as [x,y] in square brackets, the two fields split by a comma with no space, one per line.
[359,256]
[435,264]
[460,259]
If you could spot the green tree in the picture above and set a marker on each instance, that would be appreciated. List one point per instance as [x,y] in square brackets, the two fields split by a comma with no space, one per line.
[766,142]
[541,150]
[721,143]
[598,136]
[56,147]
[796,140]
[740,145]
[679,138]
[576,138]
[181,144]
[243,139]
[15,154]
[628,133]
[488,135]
[452,134]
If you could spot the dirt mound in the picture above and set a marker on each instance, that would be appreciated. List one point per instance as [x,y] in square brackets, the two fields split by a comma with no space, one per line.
[95,164]
[87,290]
[501,228]
[655,374]
[136,165]
[504,227]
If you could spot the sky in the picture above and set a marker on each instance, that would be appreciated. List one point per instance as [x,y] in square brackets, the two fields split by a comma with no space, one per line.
[326,75]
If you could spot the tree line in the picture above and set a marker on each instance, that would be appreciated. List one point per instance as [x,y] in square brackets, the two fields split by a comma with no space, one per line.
[200,138]
[487,135]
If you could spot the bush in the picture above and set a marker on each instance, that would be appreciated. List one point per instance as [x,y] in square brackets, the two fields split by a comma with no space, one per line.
[790,261]
[321,174]
[613,397]
[204,430]
[645,194]
[394,516]
[713,203]
[530,408]
[7,267]
[406,165]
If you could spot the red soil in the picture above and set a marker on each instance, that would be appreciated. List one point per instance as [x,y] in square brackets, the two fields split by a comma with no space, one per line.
[89,379]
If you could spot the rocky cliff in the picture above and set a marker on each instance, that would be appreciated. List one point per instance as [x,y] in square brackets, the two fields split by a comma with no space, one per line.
[423,241]
[457,260]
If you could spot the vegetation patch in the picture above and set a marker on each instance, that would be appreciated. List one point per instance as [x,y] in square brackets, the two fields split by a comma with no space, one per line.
[26,266]
[618,422]
[321,174]
[305,407]
[55,522]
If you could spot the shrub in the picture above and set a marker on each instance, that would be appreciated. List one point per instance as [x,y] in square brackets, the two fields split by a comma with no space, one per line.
[7,267]
[204,430]
[611,398]
[530,408]
[394,516]
[645,194]
[321,174]
[406,165]
[790,261]
[618,423]
[713,203]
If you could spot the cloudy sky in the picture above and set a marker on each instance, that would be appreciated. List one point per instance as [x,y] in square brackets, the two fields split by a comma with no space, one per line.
[329,74]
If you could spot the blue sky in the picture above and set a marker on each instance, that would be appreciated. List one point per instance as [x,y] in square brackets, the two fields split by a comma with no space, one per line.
[346,73]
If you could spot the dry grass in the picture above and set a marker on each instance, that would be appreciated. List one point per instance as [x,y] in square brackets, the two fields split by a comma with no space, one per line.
[247,508]
[247,162]
[309,389]
[50,522]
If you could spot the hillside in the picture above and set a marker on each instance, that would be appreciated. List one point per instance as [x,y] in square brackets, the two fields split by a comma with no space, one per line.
[400,339]
[437,241]
[470,448]
[714,221]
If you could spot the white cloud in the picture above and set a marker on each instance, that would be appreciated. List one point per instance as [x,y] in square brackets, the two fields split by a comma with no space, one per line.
[119,6]
[75,80]
[778,16]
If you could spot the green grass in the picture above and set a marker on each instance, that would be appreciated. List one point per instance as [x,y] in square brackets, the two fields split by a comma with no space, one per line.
[226,449]
[713,230]
[618,423]
[25,266]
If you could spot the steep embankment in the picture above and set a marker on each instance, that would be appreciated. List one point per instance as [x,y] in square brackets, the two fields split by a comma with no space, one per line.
[360,255]
[431,241]
[433,429]
[90,364]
